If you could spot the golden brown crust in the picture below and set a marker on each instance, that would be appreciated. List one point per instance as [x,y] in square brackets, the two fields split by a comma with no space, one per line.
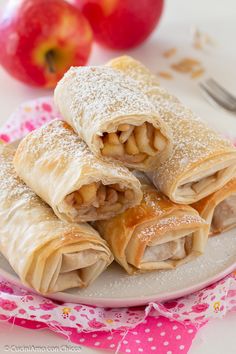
[206,206]
[147,223]
[217,197]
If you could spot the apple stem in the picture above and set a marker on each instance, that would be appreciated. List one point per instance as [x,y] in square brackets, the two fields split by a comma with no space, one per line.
[50,61]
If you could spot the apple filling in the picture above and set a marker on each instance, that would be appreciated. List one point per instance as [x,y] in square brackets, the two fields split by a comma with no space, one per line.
[96,199]
[198,187]
[132,144]
[224,217]
[204,179]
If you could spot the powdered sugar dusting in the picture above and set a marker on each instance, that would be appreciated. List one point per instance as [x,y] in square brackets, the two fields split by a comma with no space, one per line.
[193,140]
[66,145]
[98,92]
[10,184]
[166,224]
[134,69]
[97,99]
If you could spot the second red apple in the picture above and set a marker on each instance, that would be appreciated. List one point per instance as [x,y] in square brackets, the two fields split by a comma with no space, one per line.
[121,24]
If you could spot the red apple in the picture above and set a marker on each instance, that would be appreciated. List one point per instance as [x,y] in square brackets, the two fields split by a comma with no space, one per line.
[121,24]
[41,39]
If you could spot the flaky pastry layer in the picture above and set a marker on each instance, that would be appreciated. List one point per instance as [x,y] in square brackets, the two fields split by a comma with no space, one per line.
[80,187]
[219,209]
[47,254]
[157,234]
[113,116]
[201,161]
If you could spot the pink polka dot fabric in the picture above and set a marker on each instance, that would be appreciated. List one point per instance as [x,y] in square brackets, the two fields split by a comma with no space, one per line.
[29,116]
[160,336]
[163,328]
[154,335]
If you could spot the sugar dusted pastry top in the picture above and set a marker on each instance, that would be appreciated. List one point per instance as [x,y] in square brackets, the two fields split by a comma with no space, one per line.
[193,140]
[101,93]
[56,163]
[10,184]
[110,113]
[196,147]
[65,145]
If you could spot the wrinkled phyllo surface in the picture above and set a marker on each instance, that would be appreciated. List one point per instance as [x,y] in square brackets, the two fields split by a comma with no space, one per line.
[219,209]
[113,116]
[48,254]
[202,161]
[61,169]
[157,234]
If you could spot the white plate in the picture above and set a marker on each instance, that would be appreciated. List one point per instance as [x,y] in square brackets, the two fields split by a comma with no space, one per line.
[114,288]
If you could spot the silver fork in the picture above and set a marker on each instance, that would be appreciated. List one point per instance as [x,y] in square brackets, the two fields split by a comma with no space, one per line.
[219,94]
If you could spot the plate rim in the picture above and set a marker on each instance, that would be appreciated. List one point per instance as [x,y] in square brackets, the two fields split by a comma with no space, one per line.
[127,301]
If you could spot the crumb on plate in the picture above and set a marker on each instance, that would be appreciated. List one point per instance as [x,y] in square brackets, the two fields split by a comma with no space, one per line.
[186,65]
[165,75]
[170,52]
[197,73]
[200,39]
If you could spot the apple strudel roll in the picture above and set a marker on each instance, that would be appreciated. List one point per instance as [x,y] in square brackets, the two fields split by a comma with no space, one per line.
[202,161]
[157,234]
[47,254]
[113,116]
[219,209]
[60,168]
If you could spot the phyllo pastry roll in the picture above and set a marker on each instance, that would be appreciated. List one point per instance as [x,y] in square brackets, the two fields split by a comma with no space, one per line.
[157,234]
[60,168]
[219,209]
[48,255]
[202,161]
[113,116]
